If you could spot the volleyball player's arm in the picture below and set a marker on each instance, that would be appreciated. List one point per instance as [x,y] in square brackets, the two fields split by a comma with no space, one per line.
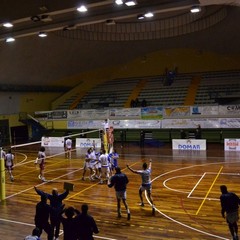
[150,164]
[132,170]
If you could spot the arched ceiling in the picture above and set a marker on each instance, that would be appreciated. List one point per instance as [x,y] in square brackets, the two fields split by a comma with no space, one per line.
[105,35]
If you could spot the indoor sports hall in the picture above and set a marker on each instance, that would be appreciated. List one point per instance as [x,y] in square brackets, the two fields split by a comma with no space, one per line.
[155,81]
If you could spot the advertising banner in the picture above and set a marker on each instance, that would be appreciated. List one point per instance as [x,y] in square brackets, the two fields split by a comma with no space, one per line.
[88,142]
[52,142]
[88,114]
[152,113]
[229,110]
[117,124]
[125,113]
[231,144]
[176,111]
[189,144]
[229,122]
[203,110]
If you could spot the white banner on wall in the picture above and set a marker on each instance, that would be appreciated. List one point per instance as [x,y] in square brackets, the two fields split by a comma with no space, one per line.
[189,144]
[125,113]
[190,123]
[229,122]
[88,142]
[117,124]
[232,144]
[52,142]
[204,110]
[229,110]
[88,114]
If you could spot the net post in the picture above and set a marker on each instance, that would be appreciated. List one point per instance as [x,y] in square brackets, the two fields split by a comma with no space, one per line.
[2,176]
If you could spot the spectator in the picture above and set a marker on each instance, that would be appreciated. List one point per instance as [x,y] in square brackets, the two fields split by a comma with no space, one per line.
[230,204]
[43,211]
[142,138]
[69,223]
[183,134]
[35,235]
[57,207]
[144,103]
[86,225]
[120,181]
[198,132]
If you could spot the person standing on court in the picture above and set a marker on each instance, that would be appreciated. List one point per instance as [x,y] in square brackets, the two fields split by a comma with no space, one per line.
[86,224]
[42,215]
[68,147]
[146,185]
[41,158]
[230,204]
[9,157]
[56,204]
[120,181]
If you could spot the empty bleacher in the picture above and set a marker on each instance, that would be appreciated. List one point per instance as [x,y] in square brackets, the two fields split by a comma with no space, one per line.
[156,93]
[218,85]
[212,88]
[112,94]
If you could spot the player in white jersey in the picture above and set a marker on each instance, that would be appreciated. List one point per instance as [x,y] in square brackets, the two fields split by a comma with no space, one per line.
[41,158]
[88,165]
[104,166]
[146,182]
[68,147]
[9,157]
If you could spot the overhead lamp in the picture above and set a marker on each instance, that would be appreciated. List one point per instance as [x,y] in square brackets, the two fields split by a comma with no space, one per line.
[130,3]
[110,22]
[7,24]
[148,15]
[195,9]
[35,18]
[42,34]
[140,16]
[10,39]
[119,2]
[82,8]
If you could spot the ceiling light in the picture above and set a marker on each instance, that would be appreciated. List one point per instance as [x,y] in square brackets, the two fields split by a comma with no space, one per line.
[110,22]
[7,24]
[82,8]
[148,15]
[130,3]
[140,16]
[10,39]
[35,18]
[195,9]
[42,34]
[119,2]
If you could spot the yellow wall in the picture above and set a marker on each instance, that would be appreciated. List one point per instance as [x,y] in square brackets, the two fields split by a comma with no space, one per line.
[32,102]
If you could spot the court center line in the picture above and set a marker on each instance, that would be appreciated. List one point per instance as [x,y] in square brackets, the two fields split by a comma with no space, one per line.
[209,191]
[196,185]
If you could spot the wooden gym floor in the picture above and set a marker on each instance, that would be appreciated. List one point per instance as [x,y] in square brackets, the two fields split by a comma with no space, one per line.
[185,192]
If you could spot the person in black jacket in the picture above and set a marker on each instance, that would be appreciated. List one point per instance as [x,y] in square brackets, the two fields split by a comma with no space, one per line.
[42,217]
[120,181]
[86,224]
[57,207]
[230,204]
[69,222]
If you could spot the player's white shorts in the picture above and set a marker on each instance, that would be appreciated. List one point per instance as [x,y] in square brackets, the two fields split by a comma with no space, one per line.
[121,194]
[147,187]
